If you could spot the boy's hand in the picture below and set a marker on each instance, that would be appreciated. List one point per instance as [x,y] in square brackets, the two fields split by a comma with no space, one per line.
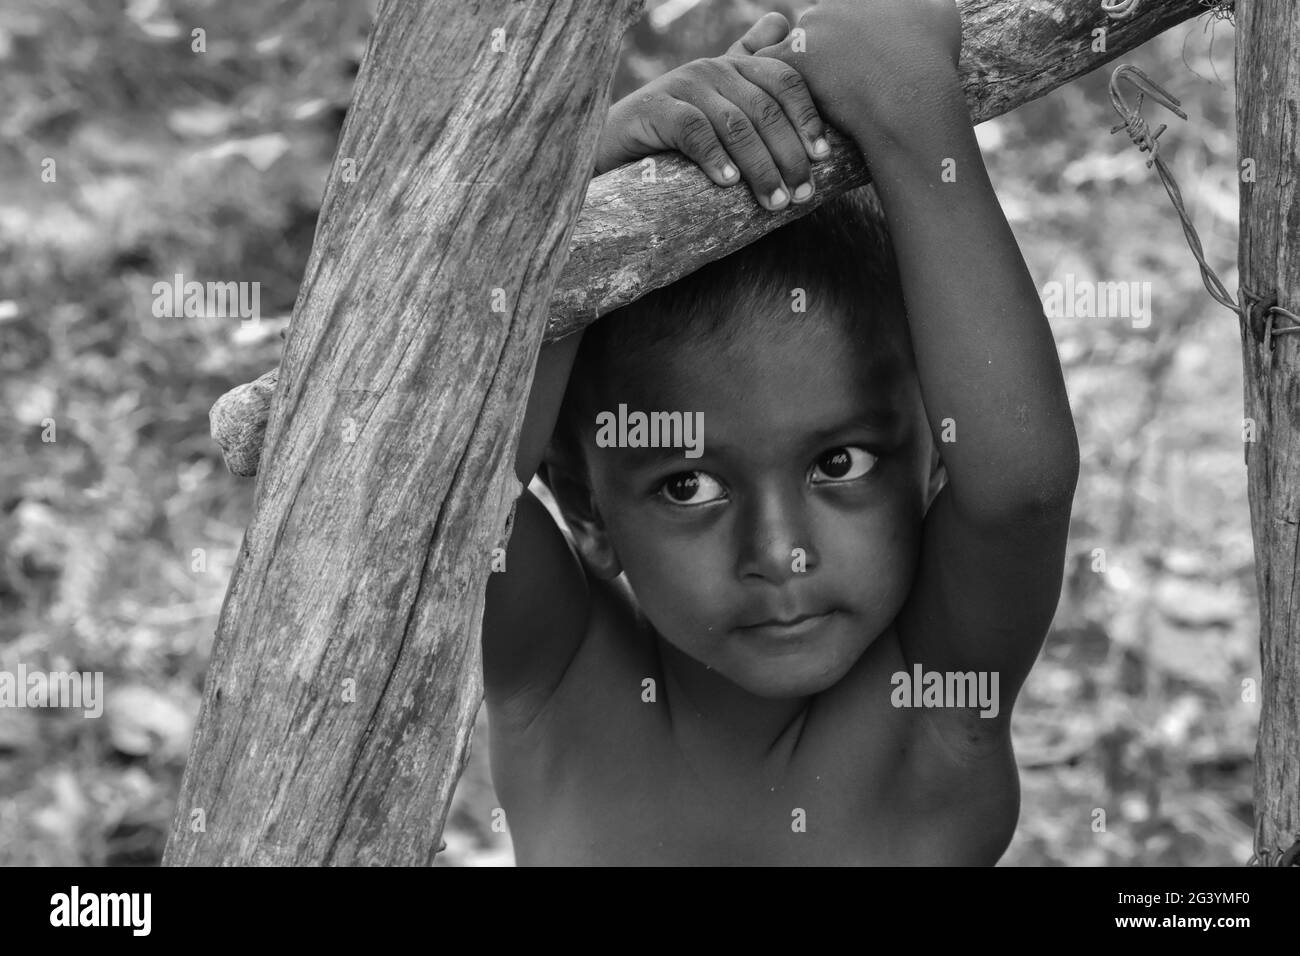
[737,116]
[872,61]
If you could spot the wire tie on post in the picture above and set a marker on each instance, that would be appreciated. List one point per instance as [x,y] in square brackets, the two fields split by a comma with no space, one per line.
[1270,331]
[1253,300]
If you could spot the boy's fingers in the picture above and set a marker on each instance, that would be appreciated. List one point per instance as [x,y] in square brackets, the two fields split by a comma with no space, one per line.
[689,131]
[784,84]
[746,146]
[781,137]
[769,29]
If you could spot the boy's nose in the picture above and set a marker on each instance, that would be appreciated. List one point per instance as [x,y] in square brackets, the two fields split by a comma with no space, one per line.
[775,539]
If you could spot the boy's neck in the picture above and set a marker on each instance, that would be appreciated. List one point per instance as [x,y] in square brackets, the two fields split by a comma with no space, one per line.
[721,720]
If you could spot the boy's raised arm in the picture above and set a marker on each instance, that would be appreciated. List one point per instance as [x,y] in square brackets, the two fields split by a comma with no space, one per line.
[884,71]
[536,606]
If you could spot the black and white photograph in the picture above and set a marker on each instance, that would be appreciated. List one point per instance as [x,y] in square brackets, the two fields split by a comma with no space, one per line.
[650,433]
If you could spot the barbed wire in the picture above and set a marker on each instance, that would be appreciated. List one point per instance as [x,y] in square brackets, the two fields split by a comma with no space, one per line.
[1221,9]
[1148,142]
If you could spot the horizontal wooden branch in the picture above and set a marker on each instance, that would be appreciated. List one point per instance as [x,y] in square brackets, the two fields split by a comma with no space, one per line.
[637,233]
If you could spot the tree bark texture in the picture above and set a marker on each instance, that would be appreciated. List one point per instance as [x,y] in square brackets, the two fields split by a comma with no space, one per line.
[1268,112]
[345,674]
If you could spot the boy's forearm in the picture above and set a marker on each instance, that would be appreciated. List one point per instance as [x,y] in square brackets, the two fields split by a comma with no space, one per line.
[984,350]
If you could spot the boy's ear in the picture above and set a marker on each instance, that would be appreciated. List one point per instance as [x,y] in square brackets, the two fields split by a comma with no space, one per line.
[938,476]
[572,493]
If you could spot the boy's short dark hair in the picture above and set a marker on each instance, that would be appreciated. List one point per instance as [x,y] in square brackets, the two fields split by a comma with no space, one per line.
[840,255]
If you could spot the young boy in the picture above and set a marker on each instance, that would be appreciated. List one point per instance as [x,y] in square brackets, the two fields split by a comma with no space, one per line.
[761,651]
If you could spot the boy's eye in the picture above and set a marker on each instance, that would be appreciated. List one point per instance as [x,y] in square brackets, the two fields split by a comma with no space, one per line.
[843,464]
[691,488]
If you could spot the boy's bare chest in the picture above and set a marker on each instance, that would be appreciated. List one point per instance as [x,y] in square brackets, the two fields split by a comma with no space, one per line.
[609,780]
[657,812]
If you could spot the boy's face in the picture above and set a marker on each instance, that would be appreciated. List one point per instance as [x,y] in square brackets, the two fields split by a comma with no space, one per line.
[777,556]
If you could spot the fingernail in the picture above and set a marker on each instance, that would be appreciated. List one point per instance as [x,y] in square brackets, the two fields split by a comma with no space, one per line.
[821,147]
[777,198]
[728,172]
[803,192]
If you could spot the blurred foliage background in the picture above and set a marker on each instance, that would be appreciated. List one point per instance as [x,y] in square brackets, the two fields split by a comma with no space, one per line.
[213,164]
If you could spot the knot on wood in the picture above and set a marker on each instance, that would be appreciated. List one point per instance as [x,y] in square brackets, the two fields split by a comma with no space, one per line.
[238,423]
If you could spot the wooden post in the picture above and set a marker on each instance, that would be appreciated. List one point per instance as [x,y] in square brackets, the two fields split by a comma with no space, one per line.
[344,678]
[1268,107]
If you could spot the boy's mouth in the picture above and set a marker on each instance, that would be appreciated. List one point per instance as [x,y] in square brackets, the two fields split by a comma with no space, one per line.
[793,626]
